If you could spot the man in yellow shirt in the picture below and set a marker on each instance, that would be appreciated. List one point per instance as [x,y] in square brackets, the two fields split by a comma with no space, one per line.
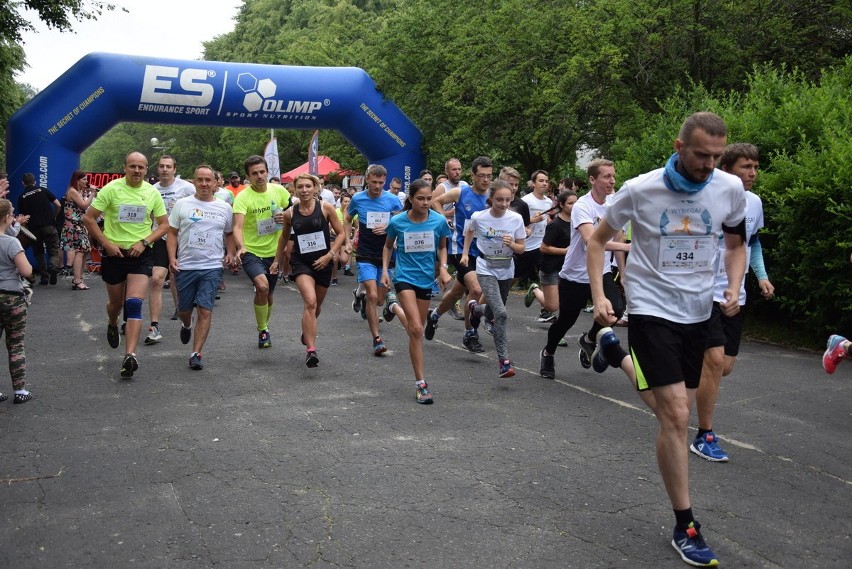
[258,215]
[128,205]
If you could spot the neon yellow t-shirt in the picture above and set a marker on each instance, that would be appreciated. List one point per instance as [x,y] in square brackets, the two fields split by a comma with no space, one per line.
[128,212]
[260,234]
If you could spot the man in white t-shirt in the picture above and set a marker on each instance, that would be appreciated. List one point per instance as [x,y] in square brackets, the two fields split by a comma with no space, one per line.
[677,213]
[528,263]
[196,254]
[171,189]
[574,290]
[723,343]
[327,195]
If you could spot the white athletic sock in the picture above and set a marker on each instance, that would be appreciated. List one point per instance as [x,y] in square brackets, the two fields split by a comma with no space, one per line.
[21,392]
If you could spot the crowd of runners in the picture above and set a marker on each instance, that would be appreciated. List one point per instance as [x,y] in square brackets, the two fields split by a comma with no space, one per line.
[665,256]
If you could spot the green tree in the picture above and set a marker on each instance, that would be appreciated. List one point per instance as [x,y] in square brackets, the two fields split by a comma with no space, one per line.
[12,95]
[309,32]
[58,14]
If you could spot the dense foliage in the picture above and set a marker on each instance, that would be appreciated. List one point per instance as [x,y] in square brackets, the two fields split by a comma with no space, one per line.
[527,82]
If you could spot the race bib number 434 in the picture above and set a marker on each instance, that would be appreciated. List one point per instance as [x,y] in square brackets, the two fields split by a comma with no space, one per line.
[686,254]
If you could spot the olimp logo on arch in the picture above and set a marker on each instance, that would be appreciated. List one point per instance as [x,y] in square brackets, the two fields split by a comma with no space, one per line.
[260,100]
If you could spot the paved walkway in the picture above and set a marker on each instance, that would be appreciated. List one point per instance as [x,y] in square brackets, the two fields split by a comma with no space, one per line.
[257,461]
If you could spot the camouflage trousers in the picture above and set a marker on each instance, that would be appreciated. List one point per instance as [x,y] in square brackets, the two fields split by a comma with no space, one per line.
[13,321]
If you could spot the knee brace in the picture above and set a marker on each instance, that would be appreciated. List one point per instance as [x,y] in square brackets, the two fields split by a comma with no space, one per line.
[133,309]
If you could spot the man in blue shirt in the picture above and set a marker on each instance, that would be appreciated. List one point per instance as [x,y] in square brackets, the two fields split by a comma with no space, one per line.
[467,200]
[374,208]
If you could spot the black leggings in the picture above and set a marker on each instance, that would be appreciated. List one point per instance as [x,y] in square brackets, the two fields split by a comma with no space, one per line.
[573,298]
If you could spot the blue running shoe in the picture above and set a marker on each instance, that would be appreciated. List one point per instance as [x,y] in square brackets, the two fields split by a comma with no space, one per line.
[195,361]
[691,546]
[379,347]
[507,369]
[471,342]
[606,337]
[707,448]
[422,394]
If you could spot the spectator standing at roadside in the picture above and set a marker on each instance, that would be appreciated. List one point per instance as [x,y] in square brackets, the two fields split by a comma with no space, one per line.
[13,303]
[42,207]
[75,239]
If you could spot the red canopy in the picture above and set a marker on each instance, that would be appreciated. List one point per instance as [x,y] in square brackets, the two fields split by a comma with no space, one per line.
[325,166]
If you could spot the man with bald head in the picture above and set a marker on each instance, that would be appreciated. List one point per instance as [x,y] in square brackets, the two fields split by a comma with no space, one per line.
[128,206]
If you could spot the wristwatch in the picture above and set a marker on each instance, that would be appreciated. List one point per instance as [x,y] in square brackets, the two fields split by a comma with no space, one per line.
[445,266]
[146,243]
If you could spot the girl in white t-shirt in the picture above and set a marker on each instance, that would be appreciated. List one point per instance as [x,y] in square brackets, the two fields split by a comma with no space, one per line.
[499,234]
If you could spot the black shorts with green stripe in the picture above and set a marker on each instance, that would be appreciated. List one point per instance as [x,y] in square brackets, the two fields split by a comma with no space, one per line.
[666,352]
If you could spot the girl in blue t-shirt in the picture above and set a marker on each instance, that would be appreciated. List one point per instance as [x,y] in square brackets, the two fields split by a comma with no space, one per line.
[420,236]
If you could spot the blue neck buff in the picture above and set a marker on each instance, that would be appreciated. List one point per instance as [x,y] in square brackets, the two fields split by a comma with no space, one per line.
[676,182]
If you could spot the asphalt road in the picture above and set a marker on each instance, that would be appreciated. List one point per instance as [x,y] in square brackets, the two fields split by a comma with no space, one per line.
[257,461]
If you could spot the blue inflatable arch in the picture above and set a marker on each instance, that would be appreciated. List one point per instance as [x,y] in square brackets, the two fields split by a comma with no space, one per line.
[47,135]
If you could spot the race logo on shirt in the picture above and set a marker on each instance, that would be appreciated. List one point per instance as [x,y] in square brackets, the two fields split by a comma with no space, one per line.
[686,218]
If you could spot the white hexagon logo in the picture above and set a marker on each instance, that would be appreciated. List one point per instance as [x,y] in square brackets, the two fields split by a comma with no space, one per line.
[253,102]
[266,88]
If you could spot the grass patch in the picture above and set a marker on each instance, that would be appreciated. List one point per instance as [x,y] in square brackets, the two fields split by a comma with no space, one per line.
[779,331]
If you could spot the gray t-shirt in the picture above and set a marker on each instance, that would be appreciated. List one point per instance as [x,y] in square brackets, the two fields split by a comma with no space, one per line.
[10,280]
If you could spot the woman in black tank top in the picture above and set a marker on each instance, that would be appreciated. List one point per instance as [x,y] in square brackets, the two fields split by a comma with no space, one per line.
[313,253]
